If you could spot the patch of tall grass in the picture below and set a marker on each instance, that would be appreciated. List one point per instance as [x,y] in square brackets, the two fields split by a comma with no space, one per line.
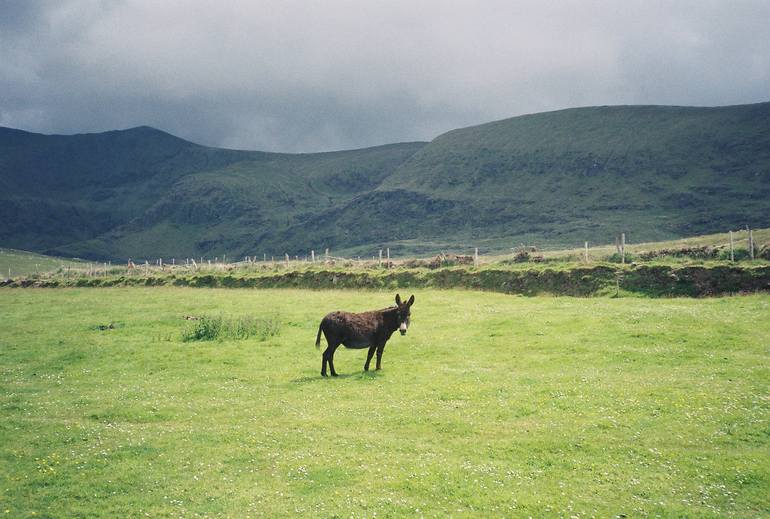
[213,327]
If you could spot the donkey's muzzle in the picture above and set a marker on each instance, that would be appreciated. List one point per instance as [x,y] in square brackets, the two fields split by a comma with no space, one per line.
[403,332]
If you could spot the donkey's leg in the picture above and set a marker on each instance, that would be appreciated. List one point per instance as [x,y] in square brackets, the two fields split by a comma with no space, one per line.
[325,359]
[331,358]
[369,357]
[380,349]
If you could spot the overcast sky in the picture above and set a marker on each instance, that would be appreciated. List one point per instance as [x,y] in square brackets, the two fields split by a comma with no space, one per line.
[331,74]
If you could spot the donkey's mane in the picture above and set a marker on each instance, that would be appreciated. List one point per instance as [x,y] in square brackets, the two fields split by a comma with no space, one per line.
[388,309]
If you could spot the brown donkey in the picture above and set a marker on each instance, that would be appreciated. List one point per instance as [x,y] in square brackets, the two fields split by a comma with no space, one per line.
[365,330]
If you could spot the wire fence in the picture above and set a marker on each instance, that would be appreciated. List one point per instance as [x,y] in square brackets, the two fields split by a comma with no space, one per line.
[619,252]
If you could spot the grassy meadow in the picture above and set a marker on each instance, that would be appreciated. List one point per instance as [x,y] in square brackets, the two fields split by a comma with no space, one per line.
[491,405]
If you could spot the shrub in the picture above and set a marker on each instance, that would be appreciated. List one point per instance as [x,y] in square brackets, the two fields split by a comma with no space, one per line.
[208,328]
[738,254]
[617,258]
[703,252]
[526,257]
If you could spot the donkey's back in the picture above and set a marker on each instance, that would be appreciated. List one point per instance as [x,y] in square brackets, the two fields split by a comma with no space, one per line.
[353,330]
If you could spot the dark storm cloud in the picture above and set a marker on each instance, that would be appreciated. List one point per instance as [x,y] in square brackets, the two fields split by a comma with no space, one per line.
[319,75]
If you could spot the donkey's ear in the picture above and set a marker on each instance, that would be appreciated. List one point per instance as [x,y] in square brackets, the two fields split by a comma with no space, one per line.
[398,300]
[411,301]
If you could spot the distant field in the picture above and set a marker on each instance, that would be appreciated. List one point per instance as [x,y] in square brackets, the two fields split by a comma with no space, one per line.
[500,248]
[22,263]
[698,266]
[492,405]
[740,241]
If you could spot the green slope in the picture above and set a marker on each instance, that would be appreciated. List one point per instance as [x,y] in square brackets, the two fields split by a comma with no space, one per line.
[555,178]
[58,190]
[247,207]
[142,192]
[584,174]
[22,263]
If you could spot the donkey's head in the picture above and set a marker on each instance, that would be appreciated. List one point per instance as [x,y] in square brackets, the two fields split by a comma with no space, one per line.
[404,310]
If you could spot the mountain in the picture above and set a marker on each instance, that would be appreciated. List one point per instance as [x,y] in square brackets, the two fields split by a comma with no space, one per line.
[555,178]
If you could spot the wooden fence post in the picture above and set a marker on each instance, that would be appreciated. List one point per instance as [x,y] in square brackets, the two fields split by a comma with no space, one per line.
[326,255]
[379,261]
[622,247]
[586,251]
[476,257]
[751,244]
[732,253]
[286,257]
[388,259]
[312,256]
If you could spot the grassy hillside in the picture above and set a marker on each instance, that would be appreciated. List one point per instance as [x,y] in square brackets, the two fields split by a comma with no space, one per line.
[718,241]
[536,407]
[255,205]
[586,174]
[142,192]
[555,179]
[23,263]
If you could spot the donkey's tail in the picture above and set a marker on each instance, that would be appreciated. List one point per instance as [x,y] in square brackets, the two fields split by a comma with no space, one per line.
[318,337]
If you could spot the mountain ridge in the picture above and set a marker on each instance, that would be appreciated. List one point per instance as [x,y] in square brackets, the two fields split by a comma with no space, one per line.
[559,177]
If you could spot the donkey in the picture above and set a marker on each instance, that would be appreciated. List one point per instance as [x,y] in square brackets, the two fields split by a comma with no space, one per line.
[365,330]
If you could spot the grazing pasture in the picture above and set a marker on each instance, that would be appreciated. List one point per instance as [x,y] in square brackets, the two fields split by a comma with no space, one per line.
[491,405]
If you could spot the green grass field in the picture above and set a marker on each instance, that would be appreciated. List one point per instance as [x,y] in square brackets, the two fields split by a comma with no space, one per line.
[492,405]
